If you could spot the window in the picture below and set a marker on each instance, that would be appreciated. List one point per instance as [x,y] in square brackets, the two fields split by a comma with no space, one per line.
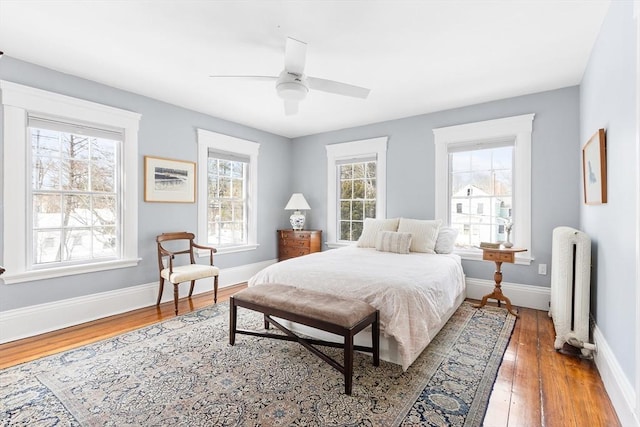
[479,177]
[65,162]
[357,181]
[483,181]
[74,192]
[356,186]
[227,213]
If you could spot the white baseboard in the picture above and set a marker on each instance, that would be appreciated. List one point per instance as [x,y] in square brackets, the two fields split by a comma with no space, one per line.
[38,319]
[529,296]
[618,387]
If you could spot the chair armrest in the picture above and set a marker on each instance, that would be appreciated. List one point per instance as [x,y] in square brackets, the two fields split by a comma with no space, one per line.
[208,248]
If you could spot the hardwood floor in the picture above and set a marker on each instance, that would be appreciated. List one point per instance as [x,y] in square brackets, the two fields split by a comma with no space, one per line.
[536,386]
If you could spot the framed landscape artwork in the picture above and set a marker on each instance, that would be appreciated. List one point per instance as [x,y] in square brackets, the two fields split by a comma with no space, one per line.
[167,180]
[594,169]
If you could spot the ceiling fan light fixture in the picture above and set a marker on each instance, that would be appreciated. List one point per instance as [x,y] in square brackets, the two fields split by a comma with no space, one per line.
[292,91]
[291,87]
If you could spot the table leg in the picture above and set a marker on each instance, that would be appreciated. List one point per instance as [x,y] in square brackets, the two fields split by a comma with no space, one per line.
[497,291]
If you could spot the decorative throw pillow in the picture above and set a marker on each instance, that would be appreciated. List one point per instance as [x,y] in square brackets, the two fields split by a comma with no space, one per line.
[446,240]
[393,241]
[371,228]
[424,233]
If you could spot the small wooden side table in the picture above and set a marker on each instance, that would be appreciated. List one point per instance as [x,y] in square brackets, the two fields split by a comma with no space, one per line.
[499,256]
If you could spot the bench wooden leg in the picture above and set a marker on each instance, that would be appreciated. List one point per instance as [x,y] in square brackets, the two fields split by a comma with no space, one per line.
[348,363]
[233,311]
[375,340]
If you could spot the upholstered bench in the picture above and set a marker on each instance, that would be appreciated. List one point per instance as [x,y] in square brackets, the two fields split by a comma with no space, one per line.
[338,315]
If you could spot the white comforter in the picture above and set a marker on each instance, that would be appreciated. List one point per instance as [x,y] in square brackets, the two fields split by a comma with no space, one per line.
[412,291]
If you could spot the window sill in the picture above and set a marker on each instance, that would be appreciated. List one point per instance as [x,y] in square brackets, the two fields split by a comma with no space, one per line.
[229,250]
[50,273]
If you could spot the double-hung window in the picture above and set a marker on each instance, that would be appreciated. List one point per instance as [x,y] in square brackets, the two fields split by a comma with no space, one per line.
[356,187]
[483,182]
[228,191]
[481,187]
[71,166]
[75,193]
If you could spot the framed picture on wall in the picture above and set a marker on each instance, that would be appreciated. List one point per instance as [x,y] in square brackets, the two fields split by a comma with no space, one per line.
[168,180]
[594,169]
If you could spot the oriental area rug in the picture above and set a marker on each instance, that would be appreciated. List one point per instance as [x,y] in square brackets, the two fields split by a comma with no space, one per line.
[183,372]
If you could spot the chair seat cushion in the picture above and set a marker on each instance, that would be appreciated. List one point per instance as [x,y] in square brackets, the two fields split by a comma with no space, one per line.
[186,273]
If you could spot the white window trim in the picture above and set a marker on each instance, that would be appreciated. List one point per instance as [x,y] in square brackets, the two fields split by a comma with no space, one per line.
[217,141]
[17,101]
[518,129]
[354,149]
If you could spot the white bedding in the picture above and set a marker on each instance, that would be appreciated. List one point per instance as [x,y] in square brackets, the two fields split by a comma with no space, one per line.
[415,292]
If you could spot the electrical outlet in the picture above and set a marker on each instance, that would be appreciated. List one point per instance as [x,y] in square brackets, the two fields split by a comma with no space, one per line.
[542,269]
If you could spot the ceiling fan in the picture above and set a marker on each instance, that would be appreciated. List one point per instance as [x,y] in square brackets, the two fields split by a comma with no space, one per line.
[292,85]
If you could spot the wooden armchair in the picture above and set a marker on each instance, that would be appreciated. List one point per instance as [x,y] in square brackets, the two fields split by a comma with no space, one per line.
[177,274]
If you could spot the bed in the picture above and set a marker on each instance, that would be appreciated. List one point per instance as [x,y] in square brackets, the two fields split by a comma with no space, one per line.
[415,292]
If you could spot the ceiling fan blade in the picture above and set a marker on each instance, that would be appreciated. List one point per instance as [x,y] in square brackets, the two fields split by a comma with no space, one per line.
[337,87]
[290,107]
[295,56]
[255,78]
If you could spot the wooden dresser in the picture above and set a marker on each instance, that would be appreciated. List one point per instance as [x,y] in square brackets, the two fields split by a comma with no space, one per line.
[294,243]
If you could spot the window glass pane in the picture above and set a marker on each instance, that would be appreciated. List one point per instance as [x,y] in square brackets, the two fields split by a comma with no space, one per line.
[356,230]
[79,175]
[77,212]
[104,242]
[45,143]
[47,211]
[104,210]
[77,244]
[46,173]
[346,189]
[75,146]
[47,246]
[461,162]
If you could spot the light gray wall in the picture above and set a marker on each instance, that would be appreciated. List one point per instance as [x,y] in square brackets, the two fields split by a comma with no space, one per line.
[165,131]
[410,169]
[608,92]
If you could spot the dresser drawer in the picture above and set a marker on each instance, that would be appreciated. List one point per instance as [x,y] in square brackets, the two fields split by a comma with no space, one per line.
[291,252]
[498,256]
[295,235]
[298,243]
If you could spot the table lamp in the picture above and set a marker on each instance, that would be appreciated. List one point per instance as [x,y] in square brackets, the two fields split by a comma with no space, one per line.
[297,202]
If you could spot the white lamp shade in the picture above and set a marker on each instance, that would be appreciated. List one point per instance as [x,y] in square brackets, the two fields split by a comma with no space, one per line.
[297,202]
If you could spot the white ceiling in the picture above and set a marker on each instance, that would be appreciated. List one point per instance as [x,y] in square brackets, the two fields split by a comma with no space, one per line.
[415,56]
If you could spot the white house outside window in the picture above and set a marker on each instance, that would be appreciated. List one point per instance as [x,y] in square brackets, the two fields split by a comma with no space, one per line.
[483,181]
[72,166]
[356,187]
[227,213]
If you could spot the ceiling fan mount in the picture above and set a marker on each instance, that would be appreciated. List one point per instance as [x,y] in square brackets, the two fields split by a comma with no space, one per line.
[293,85]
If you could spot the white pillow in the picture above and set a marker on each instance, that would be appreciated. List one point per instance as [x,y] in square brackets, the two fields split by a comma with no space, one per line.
[446,240]
[371,228]
[424,233]
[393,241]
